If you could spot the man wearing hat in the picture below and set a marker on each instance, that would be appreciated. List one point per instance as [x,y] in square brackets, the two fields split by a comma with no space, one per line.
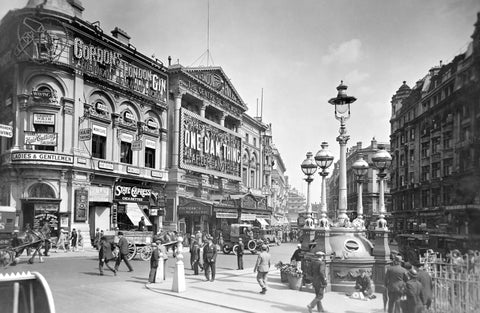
[427,284]
[209,258]
[262,267]
[319,281]
[414,292]
[123,253]
[239,250]
[296,257]
[395,284]
[154,259]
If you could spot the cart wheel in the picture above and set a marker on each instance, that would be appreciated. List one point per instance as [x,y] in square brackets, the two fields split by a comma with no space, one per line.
[6,258]
[226,249]
[252,245]
[235,249]
[146,253]
[132,250]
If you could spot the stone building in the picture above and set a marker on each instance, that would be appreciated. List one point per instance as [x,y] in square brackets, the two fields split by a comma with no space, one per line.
[88,117]
[435,131]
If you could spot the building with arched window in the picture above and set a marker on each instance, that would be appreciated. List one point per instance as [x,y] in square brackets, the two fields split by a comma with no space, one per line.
[87,117]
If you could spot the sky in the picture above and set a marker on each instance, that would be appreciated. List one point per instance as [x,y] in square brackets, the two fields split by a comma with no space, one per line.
[298,51]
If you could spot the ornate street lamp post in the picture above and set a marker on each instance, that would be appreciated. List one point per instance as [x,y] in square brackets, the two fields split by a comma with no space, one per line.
[309,168]
[360,167]
[342,113]
[324,159]
[381,161]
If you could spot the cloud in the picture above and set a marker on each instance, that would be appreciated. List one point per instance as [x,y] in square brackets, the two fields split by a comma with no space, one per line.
[346,52]
[355,77]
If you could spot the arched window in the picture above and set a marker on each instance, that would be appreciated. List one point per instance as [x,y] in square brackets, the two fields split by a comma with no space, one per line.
[41,190]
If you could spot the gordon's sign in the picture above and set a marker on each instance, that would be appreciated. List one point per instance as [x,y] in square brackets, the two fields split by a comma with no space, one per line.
[110,65]
[209,148]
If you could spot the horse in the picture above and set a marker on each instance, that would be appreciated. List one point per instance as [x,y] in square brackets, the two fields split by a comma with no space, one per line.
[30,239]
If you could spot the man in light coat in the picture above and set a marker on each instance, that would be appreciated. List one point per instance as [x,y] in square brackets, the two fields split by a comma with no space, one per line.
[262,267]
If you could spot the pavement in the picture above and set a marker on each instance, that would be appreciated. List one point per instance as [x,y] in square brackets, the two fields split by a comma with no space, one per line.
[238,290]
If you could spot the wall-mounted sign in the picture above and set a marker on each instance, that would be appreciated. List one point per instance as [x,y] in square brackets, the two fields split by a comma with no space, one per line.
[137,145]
[129,116]
[209,148]
[104,63]
[248,217]
[133,170]
[40,139]
[81,205]
[43,119]
[6,131]
[130,192]
[100,194]
[156,174]
[84,134]
[44,157]
[126,137]
[194,210]
[99,130]
[101,107]
[104,165]
[150,144]
[152,124]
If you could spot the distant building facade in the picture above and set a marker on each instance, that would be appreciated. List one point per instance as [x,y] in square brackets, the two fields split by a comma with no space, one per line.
[435,140]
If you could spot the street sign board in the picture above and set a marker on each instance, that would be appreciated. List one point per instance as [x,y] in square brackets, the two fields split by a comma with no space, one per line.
[85,134]
[6,131]
[137,145]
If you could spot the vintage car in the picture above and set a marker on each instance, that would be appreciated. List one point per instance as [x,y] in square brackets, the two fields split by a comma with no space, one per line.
[267,235]
[244,231]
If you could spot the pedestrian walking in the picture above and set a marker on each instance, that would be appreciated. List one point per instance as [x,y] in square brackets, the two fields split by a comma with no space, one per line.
[240,249]
[62,238]
[123,253]
[154,259]
[46,232]
[73,240]
[427,284]
[163,253]
[105,255]
[192,243]
[80,244]
[195,257]
[262,266]
[96,240]
[209,259]
[319,281]
[414,293]
[395,284]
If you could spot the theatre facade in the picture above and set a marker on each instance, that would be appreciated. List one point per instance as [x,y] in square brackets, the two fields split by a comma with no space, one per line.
[85,120]
[213,181]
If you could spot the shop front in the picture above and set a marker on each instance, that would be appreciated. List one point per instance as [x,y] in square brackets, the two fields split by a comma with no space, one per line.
[131,202]
[100,204]
[194,215]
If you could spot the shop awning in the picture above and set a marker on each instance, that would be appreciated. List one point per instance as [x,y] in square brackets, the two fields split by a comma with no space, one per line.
[262,221]
[134,213]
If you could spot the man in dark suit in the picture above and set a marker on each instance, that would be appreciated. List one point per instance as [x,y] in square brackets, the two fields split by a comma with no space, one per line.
[123,253]
[209,258]
[395,284]
[240,248]
[413,290]
[195,257]
[105,255]
[154,259]
[319,281]
[427,284]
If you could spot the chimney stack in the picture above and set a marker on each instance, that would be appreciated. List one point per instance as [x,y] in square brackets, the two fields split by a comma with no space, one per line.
[121,36]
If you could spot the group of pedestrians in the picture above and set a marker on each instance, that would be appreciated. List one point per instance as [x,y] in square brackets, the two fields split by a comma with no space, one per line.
[70,241]
[408,287]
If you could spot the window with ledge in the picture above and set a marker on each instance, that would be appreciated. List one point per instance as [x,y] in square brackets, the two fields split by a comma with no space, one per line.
[447,167]
[412,155]
[435,144]
[149,157]
[447,140]
[247,139]
[425,150]
[99,144]
[126,153]
[436,170]
[425,198]
[39,128]
[425,173]
[254,142]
